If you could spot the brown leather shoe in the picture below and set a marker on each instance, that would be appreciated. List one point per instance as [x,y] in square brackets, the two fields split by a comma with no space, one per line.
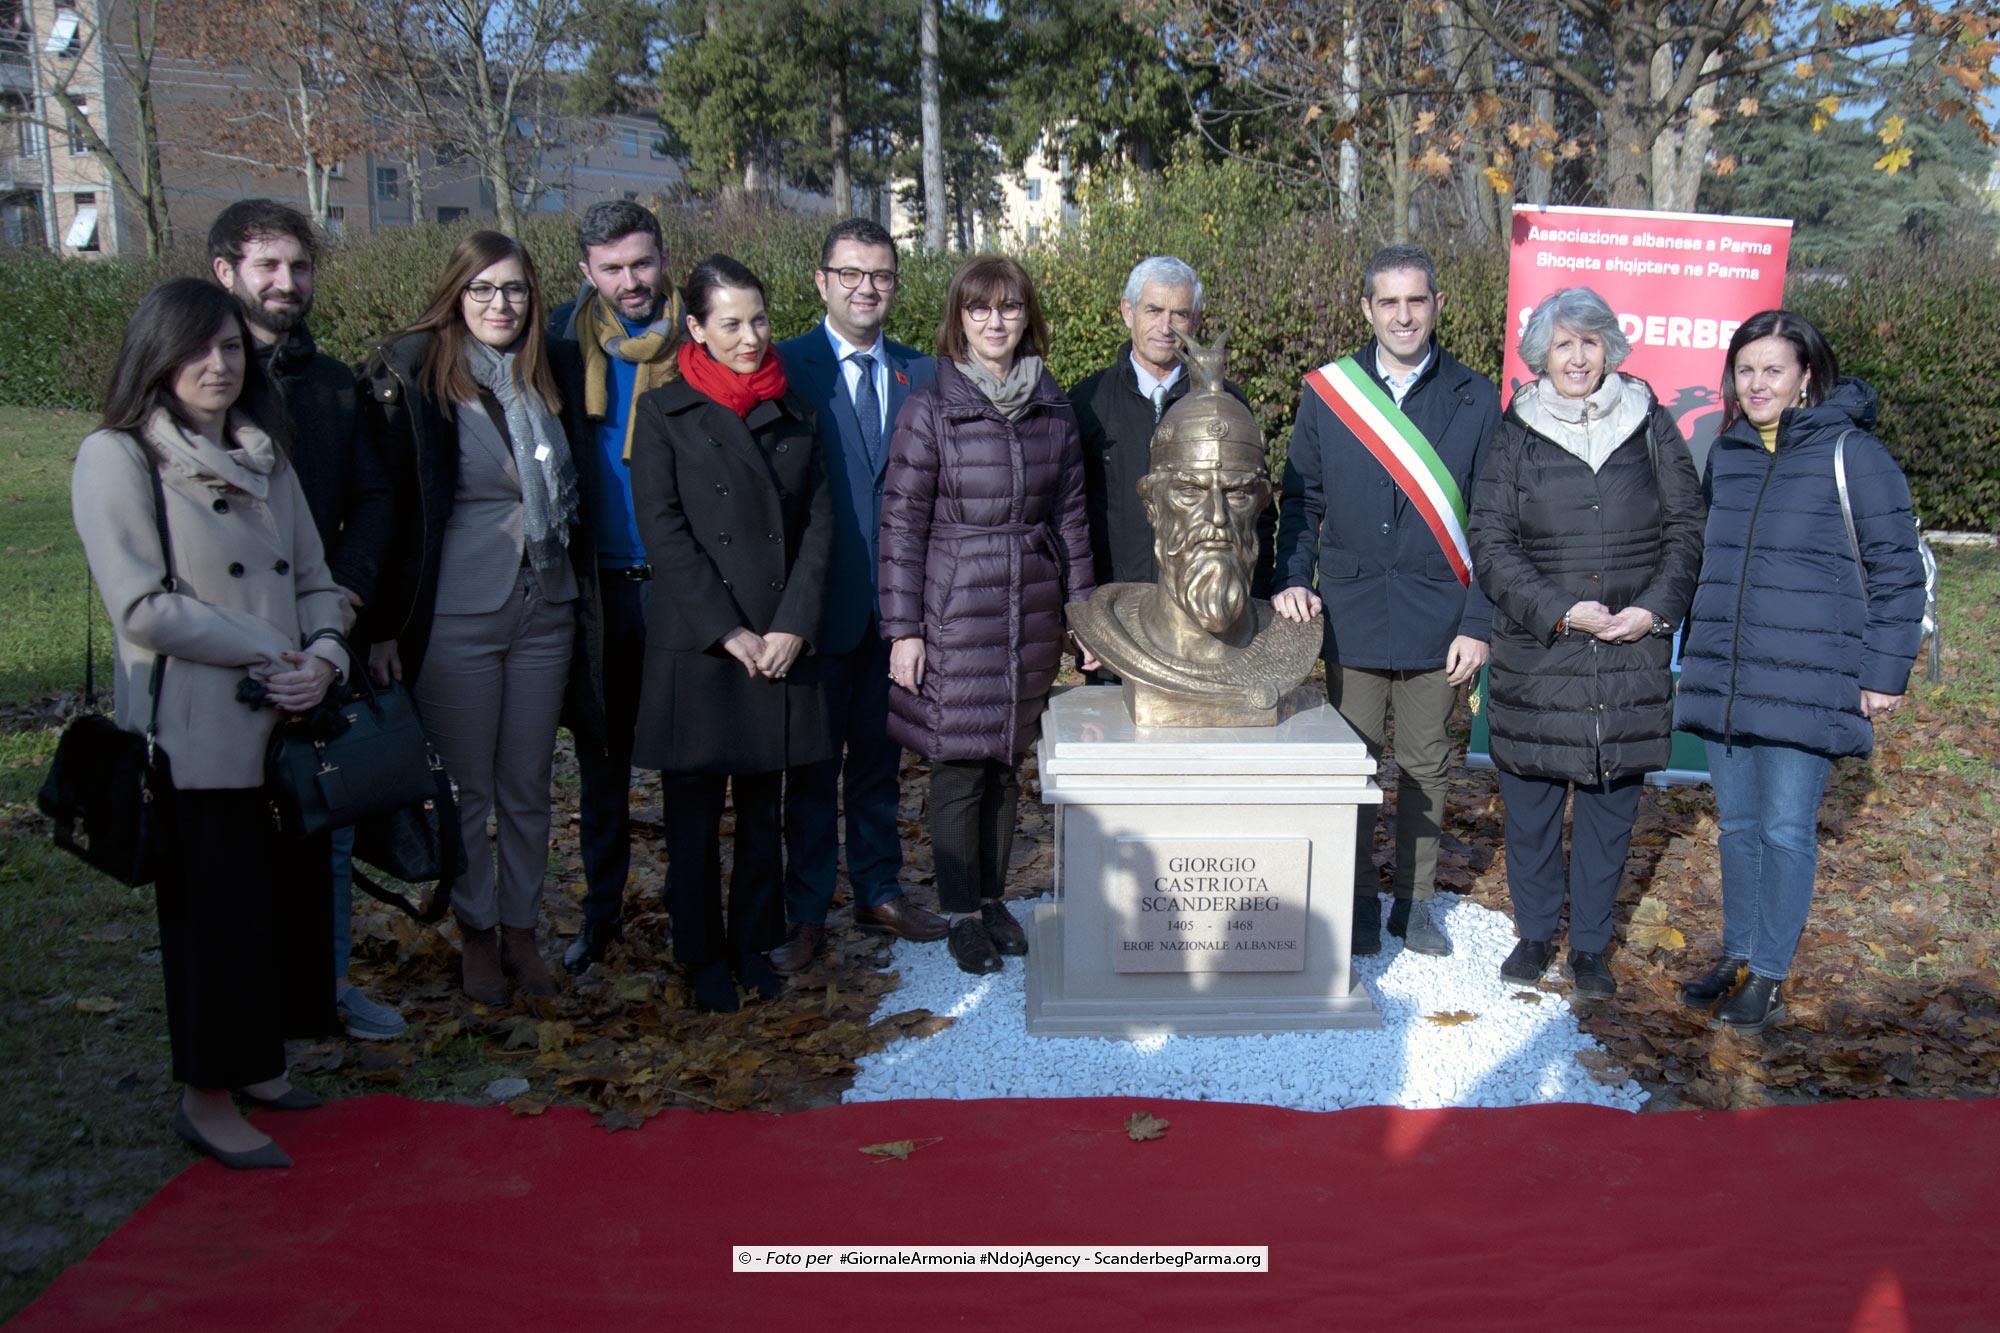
[480,975]
[904,919]
[521,959]
[796,954]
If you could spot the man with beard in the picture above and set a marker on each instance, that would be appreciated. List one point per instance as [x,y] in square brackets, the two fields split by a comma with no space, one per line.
[626,328]
[1194,649]
[1385,451]
[266,254]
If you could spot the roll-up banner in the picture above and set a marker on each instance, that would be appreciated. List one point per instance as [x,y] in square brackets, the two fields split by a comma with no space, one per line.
[1681,284]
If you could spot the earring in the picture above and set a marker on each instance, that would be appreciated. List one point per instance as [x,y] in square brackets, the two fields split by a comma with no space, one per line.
[1802,392]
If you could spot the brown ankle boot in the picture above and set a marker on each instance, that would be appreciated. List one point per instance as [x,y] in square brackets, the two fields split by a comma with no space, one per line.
[522,961]
[480,976]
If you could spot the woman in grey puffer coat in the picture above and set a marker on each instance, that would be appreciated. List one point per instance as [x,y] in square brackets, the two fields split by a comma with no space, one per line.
[1586,535]
[984,538]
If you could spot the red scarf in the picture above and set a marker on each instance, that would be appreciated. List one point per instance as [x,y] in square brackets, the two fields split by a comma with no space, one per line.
[738,393]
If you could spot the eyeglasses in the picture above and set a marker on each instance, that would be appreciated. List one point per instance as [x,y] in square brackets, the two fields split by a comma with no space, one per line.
[1007,310]
[881,279]
[482,293]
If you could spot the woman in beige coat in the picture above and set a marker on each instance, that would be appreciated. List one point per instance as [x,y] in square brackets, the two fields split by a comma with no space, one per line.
[245,915]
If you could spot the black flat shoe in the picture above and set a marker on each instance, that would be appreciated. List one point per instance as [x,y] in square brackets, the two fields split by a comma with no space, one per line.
[1367,933]
[1760,1003]
[294,1099]
[1530,959]
[270,1155]
[1590,976]
[973,948]
[1001,927]
[758,975]
[589,946]
[1712,985]
[715,990]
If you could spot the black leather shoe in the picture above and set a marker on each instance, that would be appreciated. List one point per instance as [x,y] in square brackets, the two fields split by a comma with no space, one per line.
[588,947]
[1590,976]
[1760,1003]
[903,919]
[973,948]
[1001,927]
[1530,959]
[1712,985]
[270,1155]
[796,954]
[1411,923]
[1367,925]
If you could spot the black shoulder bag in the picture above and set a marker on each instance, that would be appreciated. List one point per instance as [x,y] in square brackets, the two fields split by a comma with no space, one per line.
[102,788]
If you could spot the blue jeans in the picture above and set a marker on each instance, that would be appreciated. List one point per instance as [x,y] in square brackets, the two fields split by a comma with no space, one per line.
[1767,803]
[343,899]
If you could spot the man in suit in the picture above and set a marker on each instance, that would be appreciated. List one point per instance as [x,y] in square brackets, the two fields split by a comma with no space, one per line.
[856,381]
[1383,458]
[625,326]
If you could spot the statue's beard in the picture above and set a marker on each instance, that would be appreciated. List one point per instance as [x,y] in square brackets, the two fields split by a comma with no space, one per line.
[1211,585]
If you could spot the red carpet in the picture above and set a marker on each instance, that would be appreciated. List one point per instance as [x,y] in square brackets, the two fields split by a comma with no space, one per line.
[1874,1215]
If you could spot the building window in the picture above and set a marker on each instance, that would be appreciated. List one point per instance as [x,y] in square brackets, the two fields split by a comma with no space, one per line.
[64,40]
[79,144]
[658,153]
[83,228]
[338,171]
[27,132]
[1035,190]
[631,144]
[336,221]
[446,213]
[388,183]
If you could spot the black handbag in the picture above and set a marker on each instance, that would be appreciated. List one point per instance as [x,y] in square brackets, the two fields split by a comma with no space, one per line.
[363,756]
[104,786]
[416,844]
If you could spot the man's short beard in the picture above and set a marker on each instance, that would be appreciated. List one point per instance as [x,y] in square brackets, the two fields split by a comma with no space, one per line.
[1212,586]
[274,321]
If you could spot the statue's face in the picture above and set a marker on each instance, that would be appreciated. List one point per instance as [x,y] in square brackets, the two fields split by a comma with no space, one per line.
[1205,539]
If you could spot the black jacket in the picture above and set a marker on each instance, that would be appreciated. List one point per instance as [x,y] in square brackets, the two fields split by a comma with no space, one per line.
[418,440]
[338,462]
[1547,533]
[1392,602]
[1116,422]
[738,524]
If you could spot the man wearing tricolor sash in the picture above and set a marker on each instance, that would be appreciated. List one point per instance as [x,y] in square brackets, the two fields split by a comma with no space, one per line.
[1386,448]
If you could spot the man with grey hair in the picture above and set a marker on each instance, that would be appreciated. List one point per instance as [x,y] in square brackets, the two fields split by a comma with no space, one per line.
[1384,454]
[1117,409]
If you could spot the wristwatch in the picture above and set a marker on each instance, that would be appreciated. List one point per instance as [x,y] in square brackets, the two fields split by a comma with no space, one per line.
[1661,628]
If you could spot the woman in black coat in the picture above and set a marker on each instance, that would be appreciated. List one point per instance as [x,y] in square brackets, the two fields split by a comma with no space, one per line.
[1586,535]
[729,489]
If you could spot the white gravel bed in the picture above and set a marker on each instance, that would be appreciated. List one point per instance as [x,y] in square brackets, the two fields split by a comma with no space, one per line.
[1511,1053]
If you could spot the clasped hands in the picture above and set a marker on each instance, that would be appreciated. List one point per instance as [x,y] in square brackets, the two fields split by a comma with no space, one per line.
[767,655]
[1628,626]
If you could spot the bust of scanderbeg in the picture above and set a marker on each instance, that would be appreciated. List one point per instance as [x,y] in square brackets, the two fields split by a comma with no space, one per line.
[1194,648]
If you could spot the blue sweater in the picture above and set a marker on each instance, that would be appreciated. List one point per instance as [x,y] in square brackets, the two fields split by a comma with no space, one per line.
[1781,640]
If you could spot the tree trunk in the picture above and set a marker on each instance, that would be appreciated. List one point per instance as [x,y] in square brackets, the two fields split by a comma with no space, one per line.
[1628,142]
[1350,112]
[152,191]
[414,169]
[933,127]
[836,134]
[1400,178]
[1542,107]
[1678,154]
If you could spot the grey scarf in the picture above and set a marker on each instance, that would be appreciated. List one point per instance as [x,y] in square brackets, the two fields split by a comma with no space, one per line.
[541,456]
[1010,395]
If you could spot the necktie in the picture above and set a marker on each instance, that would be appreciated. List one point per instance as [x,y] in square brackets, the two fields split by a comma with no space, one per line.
[1159,402]
[868,405]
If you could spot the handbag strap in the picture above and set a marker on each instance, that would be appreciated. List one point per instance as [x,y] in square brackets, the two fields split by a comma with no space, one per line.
[1847,509]
[171,582]
[429,914]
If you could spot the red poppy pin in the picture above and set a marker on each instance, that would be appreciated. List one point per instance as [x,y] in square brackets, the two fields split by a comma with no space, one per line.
[902,379]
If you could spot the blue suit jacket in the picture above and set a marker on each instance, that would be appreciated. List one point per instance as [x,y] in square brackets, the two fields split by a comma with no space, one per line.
[853,478]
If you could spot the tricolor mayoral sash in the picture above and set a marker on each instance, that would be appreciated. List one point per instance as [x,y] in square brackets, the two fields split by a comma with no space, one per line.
[1401,448]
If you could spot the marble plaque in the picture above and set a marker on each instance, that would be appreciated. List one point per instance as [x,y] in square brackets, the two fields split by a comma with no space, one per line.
[1208,904]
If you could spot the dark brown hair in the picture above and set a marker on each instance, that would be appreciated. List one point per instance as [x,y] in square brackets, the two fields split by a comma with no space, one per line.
[710,276]
[443,374]
[172,324]
[990,279]
[1810,345]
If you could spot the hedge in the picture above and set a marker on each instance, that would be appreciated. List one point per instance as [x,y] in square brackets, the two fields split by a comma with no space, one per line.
[1923,328]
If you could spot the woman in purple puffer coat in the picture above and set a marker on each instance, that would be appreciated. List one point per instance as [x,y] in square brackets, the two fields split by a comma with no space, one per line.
[984,538]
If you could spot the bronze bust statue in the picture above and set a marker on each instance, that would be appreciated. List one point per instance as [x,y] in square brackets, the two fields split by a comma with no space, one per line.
[1195,649]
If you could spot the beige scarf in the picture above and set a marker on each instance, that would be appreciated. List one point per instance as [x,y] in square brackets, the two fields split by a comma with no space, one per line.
[601,335]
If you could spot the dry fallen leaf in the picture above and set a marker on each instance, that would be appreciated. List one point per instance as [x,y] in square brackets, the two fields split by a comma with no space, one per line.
[1143,1125]
[1528,996]
[898,1149]
[97,1004]
[1450,1019]
[618,1118]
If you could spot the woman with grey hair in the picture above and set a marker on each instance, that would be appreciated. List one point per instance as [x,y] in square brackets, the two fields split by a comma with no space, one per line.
[1586,534]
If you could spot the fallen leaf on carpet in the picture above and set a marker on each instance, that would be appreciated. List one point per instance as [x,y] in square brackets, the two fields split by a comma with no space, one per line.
[618,1118]
[898,1149]
[532,1104]
[97,1004]
[1141,1126]
[1451,1018]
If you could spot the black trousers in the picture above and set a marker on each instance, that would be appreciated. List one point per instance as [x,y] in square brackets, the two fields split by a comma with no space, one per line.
[604,806]
[1600,835]
[973,807]
[246,937]
[755,919]
[860,783]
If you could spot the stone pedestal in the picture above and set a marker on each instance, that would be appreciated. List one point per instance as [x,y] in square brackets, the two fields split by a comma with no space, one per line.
[1204,875]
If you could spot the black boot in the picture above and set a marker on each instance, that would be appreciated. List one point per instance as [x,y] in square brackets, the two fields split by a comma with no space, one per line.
[588,947]
[1590,976]
[1529,960]
[1712,985]
[1759,1004]
[1367,925]
[1411,923]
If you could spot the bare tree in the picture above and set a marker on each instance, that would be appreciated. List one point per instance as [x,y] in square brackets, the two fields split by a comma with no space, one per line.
[933,126]
[126,56]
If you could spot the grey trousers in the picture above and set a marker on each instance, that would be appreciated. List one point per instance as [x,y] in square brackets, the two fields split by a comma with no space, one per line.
[490,693]
[1422,701]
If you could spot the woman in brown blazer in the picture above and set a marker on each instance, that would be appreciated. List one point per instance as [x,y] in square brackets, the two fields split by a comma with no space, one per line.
[245,914]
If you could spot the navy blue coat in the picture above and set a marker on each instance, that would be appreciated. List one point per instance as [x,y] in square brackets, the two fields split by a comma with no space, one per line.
[1392,602]
[1781,642]
[854,479]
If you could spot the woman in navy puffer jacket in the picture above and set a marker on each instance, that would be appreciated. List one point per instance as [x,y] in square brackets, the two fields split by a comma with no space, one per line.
[1793,646]
[984,538]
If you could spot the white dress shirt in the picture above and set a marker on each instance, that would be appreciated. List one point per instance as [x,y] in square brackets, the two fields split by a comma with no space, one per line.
[850,373]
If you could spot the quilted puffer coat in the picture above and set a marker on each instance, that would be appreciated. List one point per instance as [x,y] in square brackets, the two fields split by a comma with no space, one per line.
[984,537]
